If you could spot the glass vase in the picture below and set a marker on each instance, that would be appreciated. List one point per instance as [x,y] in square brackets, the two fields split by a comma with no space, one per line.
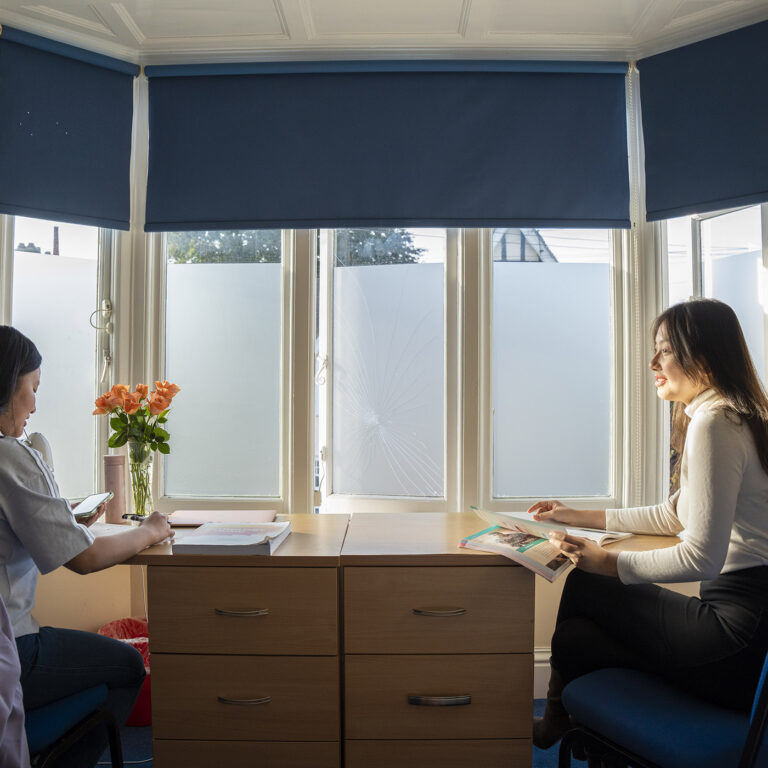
[140,465]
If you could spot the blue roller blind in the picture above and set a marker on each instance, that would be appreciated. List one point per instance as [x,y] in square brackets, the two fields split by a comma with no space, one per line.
[387,144]
[65,132]
[705,113]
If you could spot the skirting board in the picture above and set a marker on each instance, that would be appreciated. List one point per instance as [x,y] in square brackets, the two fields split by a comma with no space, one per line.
[540,671]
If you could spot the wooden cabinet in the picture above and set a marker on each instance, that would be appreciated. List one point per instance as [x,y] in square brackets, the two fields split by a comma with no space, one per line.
[245,655]
[438,648]
[433,666]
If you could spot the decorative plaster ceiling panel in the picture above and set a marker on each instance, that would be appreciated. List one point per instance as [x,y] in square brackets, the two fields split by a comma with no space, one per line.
[176,31]
[403,18]
[84,17]
[548,17]
[203,18]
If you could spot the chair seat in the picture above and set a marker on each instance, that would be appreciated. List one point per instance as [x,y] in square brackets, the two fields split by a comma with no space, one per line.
[45,725]
[648,716]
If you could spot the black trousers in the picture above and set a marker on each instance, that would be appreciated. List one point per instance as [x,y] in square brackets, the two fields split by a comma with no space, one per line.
[713,645]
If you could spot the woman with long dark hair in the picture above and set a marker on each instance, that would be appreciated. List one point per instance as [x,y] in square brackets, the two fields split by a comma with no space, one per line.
[38,532]
[612,612]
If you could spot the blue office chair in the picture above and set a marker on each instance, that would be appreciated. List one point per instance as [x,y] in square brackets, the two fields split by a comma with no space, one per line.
[53,729]
[634,718]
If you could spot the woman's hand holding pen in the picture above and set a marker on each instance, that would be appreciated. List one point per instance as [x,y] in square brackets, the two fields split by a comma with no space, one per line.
[157,524]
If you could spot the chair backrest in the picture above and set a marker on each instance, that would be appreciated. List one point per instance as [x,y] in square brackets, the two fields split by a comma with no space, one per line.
[755,751]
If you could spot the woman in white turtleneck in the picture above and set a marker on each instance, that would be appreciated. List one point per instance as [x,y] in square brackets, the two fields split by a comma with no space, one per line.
[612,612]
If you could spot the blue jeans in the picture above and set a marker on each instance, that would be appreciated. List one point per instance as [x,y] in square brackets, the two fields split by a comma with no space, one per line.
[59,662]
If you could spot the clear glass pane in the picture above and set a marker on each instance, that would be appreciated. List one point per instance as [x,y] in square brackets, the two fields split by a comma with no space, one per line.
[679,259]
[55,287]
[551,363]
[732,262]
[223,342]
[388,362]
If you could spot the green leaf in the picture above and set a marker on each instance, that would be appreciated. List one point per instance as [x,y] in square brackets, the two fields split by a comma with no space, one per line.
[162,420]
[123,416]
[153,446]
[118,439]
[164,448]
[161,434]
[116,423]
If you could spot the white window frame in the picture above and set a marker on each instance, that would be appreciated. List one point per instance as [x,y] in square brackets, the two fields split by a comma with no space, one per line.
[103,322]
[452,391]
[697,262]
[617,400]
[296,398]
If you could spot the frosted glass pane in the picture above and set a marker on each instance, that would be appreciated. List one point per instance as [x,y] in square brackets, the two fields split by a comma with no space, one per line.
[551,379]
[53,297]
[223,335]
[679,260]
[388,380]
[733,272]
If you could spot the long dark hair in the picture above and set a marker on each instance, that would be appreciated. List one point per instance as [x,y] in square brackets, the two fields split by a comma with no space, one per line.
[18,356]
[707,340]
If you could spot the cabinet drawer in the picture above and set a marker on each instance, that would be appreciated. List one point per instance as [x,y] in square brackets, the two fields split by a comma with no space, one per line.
[265,754]
[377,691]
[243,610]
[303,697]
[482,609]
[454,753]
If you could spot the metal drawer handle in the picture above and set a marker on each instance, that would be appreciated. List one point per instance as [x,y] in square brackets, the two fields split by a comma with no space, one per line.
[257,612]
[439,701]
[439,611]
[245,702]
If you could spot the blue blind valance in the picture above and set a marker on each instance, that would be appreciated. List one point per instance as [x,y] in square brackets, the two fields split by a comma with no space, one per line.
[387,144]
[704,117]
[65,132]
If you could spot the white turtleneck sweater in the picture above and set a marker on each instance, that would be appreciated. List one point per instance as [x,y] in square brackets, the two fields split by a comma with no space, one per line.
[720,511]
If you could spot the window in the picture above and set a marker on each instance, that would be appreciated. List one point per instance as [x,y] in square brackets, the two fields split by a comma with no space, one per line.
[732,271]
[552,367]
[679,260]
[60,273]
[408,330]
[223,343]
[381,344]
[722,258]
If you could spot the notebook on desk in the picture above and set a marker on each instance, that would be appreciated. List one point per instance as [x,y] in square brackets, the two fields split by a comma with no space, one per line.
[192,518]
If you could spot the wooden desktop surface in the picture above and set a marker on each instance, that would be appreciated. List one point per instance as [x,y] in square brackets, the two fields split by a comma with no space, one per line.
[390,538]
[313,538]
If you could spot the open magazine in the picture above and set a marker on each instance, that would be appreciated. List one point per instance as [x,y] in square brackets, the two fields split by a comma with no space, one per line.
[526,541]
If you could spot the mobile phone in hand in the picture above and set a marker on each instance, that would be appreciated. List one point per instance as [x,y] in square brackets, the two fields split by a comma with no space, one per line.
[88,506]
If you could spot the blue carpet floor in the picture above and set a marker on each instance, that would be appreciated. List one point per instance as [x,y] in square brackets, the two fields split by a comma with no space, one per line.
[137,747]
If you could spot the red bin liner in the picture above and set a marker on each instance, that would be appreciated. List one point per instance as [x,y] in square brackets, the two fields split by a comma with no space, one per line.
[135,632]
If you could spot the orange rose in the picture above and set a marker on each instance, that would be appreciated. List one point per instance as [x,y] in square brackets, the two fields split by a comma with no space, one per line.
[142,390]
[102,405]
[131,402]
[166,389]
[158,403]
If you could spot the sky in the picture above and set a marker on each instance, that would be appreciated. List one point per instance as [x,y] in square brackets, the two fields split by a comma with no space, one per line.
[75,240]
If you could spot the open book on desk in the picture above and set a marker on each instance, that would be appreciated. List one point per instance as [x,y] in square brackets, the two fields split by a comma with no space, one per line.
[232,539]
[526,541]
[522,521]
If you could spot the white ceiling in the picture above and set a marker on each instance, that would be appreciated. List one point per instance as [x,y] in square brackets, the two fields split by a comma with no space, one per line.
[176,31]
